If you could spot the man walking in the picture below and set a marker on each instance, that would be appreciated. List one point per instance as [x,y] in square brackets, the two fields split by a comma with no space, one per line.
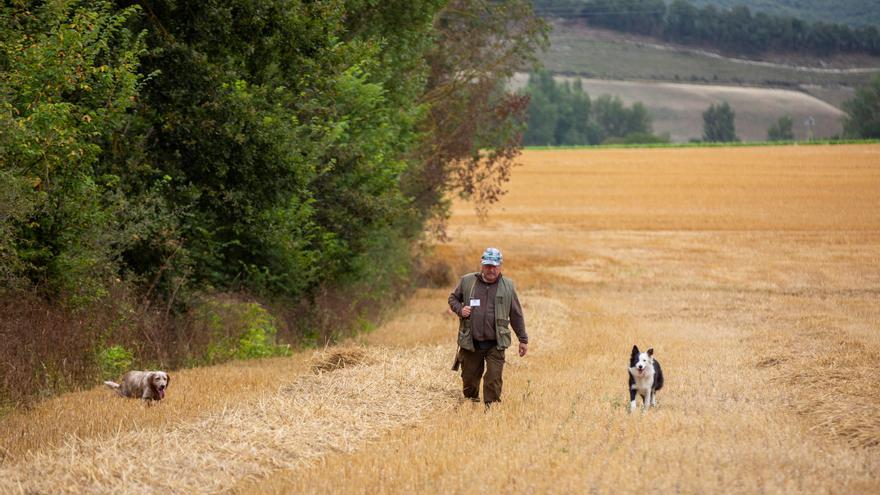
[487,306]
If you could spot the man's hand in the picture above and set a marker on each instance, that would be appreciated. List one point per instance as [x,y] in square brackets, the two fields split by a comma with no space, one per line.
[523,348]
[465,311]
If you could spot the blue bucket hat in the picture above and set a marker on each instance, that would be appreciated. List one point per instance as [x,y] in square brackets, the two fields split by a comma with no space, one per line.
[491,256]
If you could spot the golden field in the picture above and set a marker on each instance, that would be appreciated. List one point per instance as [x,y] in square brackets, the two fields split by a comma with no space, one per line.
[753,272]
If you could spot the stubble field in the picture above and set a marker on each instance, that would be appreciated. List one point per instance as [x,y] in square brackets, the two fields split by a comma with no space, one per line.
[753,272]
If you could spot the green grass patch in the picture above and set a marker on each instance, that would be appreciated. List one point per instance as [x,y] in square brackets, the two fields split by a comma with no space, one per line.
[710,145]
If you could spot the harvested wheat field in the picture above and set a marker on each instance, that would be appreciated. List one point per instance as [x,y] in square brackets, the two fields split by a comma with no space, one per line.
[753,272]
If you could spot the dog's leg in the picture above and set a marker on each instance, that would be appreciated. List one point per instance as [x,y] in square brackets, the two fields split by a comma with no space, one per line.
[649,399]
[654,398]
[632,399]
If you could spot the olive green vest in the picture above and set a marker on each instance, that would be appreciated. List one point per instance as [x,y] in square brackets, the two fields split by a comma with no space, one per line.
[503,298]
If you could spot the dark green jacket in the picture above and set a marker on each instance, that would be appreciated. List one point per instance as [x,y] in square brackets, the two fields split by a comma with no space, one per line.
[505,299]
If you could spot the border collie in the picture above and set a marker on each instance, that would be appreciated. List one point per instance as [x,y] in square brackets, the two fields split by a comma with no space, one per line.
[645,378]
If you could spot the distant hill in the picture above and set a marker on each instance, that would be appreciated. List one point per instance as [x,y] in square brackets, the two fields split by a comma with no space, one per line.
[598,53]
[677,83]
[852,12]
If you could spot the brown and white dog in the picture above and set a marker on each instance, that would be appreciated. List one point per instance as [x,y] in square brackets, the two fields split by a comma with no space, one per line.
[147,385]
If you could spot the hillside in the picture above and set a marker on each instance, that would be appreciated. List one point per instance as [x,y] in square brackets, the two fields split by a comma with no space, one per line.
[677,83]
[676,109]
[852,12]
[577,49]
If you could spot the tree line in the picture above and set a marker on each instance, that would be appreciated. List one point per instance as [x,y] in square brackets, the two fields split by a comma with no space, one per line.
[562,114]
[277,144]
[734,30]
[286,149]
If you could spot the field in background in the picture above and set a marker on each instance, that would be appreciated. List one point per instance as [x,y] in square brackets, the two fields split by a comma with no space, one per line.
[677,109]
[609,55]
[677,83]
[753,272]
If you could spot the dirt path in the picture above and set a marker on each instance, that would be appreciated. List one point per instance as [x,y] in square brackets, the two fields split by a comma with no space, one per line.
[763,309]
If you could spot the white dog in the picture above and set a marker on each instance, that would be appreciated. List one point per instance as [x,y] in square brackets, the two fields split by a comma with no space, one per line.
[147,385]
[645,378]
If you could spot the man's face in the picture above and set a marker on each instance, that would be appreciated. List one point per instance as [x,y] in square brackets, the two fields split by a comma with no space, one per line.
[490,272]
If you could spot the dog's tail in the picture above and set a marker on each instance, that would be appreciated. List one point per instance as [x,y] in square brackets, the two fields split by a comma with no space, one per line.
[113,385]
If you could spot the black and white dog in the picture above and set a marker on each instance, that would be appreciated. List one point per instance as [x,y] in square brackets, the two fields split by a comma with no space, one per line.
[645,378]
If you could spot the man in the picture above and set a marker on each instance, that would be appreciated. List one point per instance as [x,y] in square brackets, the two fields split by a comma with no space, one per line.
[487,306]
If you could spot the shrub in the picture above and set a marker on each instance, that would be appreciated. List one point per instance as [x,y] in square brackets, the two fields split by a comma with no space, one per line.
[781,130]
[114,361]
[239,330]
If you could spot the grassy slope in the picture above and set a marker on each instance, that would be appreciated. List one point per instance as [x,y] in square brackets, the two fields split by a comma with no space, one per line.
[604,54]
[677,109]
[757,260]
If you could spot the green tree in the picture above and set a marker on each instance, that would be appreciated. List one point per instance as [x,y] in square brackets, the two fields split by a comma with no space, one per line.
[718,123]
[68,80]
[563,114]
[781,130]
[862,118]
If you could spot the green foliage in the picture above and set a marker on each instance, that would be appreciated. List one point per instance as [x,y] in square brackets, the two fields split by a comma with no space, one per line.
[114,361]
[563,114]
[853,12]
[781,130]
[862,118]
[718,123]
[239,331]
[288,149]
[732,27]
[68,76]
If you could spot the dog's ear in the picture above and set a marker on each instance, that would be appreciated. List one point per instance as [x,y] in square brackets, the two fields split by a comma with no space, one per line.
[651,351]
[634,357]
[167,380]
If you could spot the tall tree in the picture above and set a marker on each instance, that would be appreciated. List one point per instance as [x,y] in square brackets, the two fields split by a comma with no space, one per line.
[781,130]
[473,127]
[862,118]
[718,123]
[68,80]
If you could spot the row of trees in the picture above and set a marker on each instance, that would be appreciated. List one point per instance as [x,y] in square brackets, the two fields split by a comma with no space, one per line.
[276,145]
[735,30]
[156,151]
[862,119]
[563,114]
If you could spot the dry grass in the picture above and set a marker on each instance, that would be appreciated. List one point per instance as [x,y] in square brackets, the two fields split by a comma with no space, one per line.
[311,416]
[752,272]
[100,414]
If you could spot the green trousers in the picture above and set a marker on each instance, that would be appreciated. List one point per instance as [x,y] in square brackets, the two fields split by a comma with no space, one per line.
[473,366]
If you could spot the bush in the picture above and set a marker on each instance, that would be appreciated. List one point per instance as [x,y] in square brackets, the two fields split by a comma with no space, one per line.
[862,118]
[719,124]
[239,330]
[781,130]
[563,114]
[114,361]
